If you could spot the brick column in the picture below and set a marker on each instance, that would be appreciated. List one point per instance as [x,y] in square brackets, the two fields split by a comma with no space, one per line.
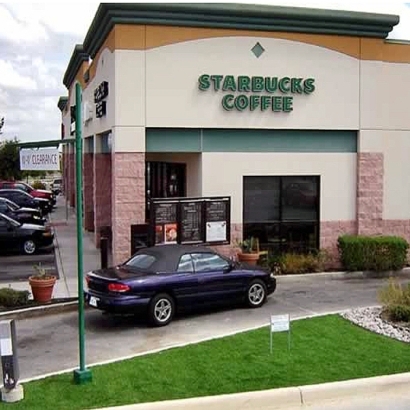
[71,176]
[128,199]
[370,172]
[102,193]
[88,179]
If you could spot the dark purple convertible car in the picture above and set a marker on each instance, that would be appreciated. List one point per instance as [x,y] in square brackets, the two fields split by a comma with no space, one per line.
[160,280]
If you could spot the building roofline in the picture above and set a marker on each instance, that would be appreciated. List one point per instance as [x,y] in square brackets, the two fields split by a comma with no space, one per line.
[62,102]
[237,16]
[77,58]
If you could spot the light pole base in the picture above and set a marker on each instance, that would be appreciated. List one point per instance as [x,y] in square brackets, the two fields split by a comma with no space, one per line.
[12,395]
[82,376]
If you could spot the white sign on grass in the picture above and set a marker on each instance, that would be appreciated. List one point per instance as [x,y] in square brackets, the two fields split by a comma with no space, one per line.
[279,323]
[40,159]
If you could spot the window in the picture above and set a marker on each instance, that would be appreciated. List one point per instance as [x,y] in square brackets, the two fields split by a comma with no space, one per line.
[208,262]
[3,207]
[282,211]
[185,264]
[141,261]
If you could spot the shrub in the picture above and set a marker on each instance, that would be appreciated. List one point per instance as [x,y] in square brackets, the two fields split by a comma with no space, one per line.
[13,298]
[294,263]
[374,253]
[38,185]
[398,313]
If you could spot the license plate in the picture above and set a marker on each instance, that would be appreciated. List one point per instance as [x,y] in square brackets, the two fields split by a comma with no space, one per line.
[93,301]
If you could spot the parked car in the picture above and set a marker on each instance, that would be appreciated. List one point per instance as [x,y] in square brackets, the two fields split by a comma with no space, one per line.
[57,186]
[20,214]
[27,238]
[23,186]
[161,279]
[25,200]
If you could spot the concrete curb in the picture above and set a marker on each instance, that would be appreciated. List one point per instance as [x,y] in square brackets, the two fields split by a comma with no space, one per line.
[282,397]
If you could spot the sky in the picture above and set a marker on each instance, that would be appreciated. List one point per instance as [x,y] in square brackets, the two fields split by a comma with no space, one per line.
[37,40]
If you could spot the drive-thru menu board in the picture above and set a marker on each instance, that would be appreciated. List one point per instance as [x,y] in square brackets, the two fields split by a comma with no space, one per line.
[191,220]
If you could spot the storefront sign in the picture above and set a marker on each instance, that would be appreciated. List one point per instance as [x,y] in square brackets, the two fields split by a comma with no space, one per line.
[39,160]
[257,93]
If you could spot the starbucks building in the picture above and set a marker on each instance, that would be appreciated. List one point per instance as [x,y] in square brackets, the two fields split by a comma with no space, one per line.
[299,116]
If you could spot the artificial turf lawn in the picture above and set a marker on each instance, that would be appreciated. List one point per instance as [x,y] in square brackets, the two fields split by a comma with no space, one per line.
[323,349]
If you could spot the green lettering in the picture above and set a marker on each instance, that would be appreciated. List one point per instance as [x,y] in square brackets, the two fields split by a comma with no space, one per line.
[229,83]
[277,103]
[216,79]
[227,102]
[204,82]
[296,85]
[244,83]
[271,84]
[257,84]
[241,102]
[287,104]
[309,85]
[284,85]
[266,102]
[255,101]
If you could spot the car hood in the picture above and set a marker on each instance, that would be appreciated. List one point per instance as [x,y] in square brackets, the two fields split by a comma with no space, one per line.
[29,210]
[44,191]
[33,227]
[40,199]
[121,272]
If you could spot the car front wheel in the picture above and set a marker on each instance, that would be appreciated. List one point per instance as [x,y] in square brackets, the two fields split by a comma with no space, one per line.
[256,294]
[161,310]
[29,247]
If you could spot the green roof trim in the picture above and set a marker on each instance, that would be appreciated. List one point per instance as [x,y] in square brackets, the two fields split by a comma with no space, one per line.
[237,16]
[62,102]
[77,58]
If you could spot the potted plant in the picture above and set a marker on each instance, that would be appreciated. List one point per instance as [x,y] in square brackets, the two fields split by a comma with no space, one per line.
[249,251]
[42,284]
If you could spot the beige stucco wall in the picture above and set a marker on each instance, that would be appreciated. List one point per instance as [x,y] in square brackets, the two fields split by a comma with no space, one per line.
[173,98]
[193,169]
[337,171]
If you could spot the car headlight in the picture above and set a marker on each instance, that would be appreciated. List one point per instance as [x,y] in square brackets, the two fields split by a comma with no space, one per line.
[36,217]
[272,276]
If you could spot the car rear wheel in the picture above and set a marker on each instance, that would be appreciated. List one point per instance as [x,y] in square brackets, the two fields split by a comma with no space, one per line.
[161,310]
[256,294]
[29,247]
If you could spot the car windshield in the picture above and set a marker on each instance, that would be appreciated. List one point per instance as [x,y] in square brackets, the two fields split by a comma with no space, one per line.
[141,261]
[11,221]
[11,205]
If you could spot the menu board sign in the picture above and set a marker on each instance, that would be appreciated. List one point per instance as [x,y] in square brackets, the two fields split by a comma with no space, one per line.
[191,222]
[216,221]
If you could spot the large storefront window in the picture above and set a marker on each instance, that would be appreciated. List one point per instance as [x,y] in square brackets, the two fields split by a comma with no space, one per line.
[282,211]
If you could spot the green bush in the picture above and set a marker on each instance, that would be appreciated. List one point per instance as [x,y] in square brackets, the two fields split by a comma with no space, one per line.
[372,253]
[398,313]
[12,298]
[294,263]
[38,185]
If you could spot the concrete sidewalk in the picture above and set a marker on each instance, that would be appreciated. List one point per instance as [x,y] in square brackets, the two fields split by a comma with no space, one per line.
[65,229]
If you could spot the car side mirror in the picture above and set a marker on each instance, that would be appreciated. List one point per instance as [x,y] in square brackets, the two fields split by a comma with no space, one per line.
[228,268]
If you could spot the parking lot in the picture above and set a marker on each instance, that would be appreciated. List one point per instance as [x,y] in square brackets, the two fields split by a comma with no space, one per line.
[17,267]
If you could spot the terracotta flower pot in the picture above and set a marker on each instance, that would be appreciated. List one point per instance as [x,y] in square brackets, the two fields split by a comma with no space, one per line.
[249,258]
[42,289]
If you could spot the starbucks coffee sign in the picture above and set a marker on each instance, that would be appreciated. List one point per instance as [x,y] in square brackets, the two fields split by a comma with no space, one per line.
[244,93]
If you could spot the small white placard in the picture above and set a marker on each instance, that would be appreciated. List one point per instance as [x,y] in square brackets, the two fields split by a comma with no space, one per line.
[40,159]
[93,301]
[280,323]
[6,347]
[216,231]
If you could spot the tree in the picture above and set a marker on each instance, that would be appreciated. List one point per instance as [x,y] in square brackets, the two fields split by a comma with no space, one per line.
[10,160]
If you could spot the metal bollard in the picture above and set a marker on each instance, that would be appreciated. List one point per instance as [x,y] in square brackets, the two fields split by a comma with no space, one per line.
[104,252]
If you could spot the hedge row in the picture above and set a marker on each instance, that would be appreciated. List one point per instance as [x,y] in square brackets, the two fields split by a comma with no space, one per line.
[372,253]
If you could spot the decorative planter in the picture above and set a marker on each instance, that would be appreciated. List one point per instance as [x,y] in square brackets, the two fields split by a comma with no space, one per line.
[42,289]
[249,258]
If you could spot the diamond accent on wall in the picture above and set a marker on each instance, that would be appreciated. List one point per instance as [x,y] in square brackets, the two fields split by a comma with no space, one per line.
[257,50]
